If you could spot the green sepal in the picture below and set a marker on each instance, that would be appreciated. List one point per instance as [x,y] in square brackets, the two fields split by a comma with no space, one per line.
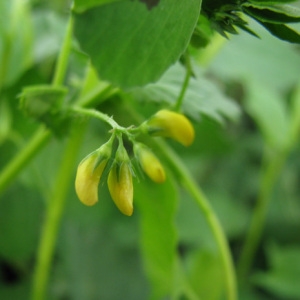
[44,103]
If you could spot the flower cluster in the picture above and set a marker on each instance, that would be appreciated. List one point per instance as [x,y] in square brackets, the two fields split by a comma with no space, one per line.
[118,165]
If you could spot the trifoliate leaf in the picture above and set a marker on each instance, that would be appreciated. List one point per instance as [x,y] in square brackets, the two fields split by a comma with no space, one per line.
[131,45]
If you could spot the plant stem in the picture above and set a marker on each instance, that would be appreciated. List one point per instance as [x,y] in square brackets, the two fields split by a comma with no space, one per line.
[37,142]
[62,61]
[212,220]
[270,173]
[185,83]
[54,214]
[98,115]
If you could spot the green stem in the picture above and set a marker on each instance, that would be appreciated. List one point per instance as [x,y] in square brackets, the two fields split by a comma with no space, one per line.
[54,214]
[270,173]
[212,220]
[98,115]
[185,83]
[37,142]
[63,58]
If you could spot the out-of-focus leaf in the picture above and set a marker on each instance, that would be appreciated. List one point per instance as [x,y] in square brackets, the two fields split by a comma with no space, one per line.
[269,112]
[283,32]
[201,97]
[270,2]
[105,268]
[156,204]
[273,14]
[283,277]
[270,61]
[15,40]
[205,274]
[15,290]
[19,224]
[49,31]
[130,45]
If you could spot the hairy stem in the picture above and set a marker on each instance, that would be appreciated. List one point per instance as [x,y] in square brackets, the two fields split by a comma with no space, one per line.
[98,115]
[54,214]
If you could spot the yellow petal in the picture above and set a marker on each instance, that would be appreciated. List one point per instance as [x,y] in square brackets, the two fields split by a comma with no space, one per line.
[174,125]
[87,180]
[121,188]
[151,165]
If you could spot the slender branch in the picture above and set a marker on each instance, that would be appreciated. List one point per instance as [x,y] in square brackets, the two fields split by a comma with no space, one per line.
[270,173]
[212,220]
[98,115]
[185,83]
[13,168]
[54,214]
[63,58]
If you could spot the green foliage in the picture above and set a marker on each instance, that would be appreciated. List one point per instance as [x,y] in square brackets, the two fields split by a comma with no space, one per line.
[141,51]
[244,102]
[283,276]
[272,15]
[157,207]
[203,269]
[202,97]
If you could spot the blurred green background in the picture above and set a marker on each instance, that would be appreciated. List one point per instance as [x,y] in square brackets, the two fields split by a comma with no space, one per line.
[98,250]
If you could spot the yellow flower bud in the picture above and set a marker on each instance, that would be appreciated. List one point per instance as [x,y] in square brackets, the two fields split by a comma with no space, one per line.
[88,177]
[121,188]
[171,124]
[149,163]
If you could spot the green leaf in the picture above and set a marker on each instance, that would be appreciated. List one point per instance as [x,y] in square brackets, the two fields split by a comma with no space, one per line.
[201,98]
[283,32]
[270,2]
[49,29]
[269,112]
[205,275]
[283,277]
[273,14]
[130,45]
[156,204]
[82,5]
[19,224]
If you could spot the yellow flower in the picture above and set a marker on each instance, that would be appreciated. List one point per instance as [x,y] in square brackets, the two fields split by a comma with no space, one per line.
[89,173]
[88,177]
[121,188]
[149,163]
[171,124]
